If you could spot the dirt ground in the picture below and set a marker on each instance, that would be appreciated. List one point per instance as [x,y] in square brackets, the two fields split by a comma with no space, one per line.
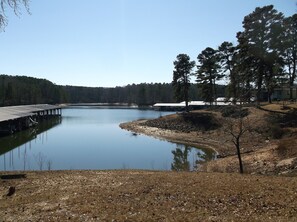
[146,196]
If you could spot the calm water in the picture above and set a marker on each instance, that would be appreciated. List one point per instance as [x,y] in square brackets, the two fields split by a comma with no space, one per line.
[90,138]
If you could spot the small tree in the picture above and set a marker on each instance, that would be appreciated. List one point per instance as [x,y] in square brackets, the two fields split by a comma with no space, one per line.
[181,77]
[237,126]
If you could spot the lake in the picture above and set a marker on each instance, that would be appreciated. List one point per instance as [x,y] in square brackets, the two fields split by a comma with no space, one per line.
[90,138]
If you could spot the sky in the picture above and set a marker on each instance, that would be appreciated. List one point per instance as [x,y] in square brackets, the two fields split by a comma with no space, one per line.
[108,43]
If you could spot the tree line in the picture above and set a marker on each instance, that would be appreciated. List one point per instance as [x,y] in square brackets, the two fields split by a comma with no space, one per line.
[22,90]
[264,58]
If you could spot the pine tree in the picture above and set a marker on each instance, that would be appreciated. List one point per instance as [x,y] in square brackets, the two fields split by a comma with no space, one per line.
[181,77]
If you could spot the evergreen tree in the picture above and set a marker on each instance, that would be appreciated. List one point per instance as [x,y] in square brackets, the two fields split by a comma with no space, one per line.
[208,73]
[181,77]
[290,49]
[228,62]
[262,31]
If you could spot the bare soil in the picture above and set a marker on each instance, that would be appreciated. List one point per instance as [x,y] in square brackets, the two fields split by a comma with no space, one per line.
[146,196]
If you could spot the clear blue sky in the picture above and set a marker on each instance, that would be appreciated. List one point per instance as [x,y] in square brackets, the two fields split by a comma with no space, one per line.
[118,42]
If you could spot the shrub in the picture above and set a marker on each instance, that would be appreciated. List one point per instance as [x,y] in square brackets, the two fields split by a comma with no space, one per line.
[289,119]
[234,111]
[204,121]
[276,132]
[287,147]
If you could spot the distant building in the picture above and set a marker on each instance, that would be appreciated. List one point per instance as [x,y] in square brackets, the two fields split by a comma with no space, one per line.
[221,101]
[283,93]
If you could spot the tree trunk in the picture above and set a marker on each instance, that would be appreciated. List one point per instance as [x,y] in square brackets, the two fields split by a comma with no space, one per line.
[187,106]
[269,96]
[259,90]
[187,99]
[239,155]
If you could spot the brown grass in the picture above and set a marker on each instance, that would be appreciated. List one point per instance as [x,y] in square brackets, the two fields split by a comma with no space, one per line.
[287,147]
[279,107]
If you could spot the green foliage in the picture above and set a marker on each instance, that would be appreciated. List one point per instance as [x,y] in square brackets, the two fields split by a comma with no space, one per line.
[140,94]
[180,159]
[262,31]
[208,73]
[181,77]
[290,49]
[21,90]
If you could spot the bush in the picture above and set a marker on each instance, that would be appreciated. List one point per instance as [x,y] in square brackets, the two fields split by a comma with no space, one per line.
[276,132]
[289,119]
[204,121]
[277,123]
[287,147]
[234,111]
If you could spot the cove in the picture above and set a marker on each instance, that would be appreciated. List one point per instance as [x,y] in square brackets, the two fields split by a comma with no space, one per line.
[90,138]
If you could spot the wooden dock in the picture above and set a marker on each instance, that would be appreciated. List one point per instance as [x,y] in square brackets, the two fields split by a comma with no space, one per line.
[17,118]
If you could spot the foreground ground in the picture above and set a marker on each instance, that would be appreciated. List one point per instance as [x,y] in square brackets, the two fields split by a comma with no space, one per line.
[146,196]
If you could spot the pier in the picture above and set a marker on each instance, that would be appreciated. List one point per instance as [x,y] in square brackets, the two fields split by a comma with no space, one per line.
[17,118]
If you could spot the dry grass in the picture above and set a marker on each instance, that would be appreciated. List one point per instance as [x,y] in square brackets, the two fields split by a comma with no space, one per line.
[147,196]
[279,107]
[287,147]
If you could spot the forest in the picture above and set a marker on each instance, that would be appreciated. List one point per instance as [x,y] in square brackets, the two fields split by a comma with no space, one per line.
[22,90]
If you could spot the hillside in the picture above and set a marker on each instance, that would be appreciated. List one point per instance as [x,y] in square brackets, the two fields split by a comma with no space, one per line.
[269,147]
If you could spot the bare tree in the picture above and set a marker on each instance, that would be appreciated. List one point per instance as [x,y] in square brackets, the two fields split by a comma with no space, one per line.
[13,4]
[40,160]
[49,165]
[237,126]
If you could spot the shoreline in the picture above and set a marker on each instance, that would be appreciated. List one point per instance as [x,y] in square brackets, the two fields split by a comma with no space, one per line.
[259,156]
[170,136]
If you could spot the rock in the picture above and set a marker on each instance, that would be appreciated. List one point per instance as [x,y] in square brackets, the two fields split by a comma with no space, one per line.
[286,162]
[11,191]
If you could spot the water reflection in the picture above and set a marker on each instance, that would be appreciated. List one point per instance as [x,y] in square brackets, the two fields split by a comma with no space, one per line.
[187,158]
[17,145]
[92,139]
